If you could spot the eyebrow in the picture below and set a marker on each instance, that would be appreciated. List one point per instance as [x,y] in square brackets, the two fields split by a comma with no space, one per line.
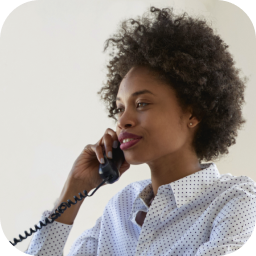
[138,93]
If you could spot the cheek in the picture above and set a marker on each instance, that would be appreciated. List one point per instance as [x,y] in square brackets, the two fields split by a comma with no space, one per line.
[167,133]
[163,128]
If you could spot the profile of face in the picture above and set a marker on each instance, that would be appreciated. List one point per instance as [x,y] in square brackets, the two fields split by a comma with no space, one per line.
[156,117]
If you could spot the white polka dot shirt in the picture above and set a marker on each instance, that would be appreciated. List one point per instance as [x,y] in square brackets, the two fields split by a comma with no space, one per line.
[204,213]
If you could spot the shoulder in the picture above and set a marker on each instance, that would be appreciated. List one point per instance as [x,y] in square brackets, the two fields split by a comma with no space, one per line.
[237,195]
[236,200]
[239,185]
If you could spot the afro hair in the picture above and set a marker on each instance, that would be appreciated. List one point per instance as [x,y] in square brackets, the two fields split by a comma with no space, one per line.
[185,53]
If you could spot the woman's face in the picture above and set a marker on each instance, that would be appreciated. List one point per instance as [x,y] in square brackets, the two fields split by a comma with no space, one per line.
[161,123]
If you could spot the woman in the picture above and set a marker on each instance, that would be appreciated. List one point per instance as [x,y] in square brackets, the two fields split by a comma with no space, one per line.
[174,89]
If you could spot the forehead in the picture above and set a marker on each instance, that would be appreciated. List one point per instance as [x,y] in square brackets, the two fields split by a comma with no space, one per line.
[138,78]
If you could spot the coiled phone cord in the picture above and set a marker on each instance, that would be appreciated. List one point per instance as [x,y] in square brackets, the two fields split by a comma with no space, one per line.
[56,215]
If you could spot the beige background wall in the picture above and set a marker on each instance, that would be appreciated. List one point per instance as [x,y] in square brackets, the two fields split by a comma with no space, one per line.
[51,65]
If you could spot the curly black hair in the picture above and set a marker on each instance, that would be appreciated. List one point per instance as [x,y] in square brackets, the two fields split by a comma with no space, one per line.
[185,53]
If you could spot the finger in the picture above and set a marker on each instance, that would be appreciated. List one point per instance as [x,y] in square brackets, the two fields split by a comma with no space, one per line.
[91,149]
[108,143]
[99,153]
[103,145]
[113,134]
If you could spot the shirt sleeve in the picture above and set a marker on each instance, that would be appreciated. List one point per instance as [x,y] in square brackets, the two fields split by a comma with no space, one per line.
[87,243]
[50,239]
[233,227]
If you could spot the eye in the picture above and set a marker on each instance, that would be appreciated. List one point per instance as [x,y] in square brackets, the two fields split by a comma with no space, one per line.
[116,111]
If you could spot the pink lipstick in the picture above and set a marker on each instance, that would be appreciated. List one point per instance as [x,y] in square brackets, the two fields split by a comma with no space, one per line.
[129,144]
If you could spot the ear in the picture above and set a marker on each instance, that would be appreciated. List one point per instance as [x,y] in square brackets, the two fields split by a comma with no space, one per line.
[192,119]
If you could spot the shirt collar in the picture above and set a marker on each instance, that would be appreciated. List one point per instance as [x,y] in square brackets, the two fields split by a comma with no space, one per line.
[188,188]
[184,190]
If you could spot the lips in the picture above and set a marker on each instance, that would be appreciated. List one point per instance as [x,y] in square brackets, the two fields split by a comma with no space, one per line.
[129,144]
[126,135]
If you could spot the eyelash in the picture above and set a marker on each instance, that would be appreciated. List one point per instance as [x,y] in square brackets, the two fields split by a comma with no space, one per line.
[116,110]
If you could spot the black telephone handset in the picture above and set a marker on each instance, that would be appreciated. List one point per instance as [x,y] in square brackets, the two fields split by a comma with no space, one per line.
[109,172]
[110,168]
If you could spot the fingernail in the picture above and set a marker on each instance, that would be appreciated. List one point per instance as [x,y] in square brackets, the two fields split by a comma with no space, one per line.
[102,160]
[110,154]
[115,144]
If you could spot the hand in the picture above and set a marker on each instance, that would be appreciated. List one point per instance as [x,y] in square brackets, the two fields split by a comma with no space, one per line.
[85,170]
